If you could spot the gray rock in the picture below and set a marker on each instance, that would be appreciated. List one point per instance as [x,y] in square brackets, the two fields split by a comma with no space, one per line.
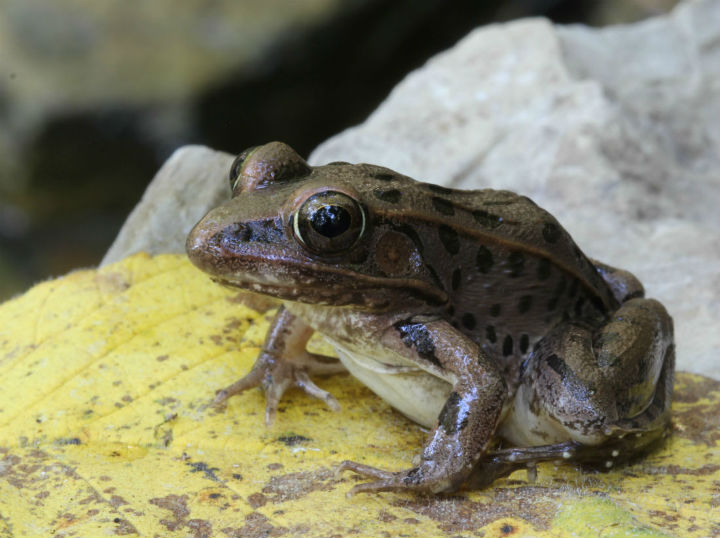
[190,182]
[616,131]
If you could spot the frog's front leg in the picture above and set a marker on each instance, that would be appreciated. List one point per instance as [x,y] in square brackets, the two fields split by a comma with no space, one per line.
[284,362]
[468,420]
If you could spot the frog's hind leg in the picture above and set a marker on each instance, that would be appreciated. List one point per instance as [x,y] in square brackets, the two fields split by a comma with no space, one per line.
[629,439]
[593,396]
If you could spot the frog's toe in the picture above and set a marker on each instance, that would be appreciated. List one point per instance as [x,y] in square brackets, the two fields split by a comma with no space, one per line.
[364,470]
[274,389]
[386,480]
[253,379]
[422,479]
[303,381]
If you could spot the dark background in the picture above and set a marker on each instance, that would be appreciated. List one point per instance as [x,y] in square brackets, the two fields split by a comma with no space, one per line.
[70,173]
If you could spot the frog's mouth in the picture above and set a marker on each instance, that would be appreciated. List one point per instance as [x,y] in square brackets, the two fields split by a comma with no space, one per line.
[373,295]
[302,294]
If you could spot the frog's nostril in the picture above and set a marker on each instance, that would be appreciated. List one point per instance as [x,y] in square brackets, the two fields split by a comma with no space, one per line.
[237,232]
[231,237]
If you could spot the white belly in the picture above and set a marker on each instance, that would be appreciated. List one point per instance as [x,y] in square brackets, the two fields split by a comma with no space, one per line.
[416,393]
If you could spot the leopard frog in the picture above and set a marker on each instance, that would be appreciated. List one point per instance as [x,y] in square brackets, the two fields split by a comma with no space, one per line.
[473,313]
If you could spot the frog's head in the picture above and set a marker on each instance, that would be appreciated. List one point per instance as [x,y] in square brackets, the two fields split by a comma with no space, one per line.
[312,234]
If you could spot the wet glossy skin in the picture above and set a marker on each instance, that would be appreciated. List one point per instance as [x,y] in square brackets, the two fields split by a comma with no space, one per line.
[472,312]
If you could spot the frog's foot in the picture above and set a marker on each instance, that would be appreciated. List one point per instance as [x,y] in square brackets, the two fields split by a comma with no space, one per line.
[502,463]
[275,376]
[426,478]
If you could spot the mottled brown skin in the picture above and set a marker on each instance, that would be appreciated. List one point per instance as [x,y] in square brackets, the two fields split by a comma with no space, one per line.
[472,312]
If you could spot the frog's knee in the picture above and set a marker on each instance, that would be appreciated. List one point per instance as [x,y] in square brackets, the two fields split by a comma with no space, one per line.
[622,283]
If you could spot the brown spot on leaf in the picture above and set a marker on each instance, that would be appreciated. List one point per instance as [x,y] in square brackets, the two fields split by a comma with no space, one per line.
[677,470]
[256,500]
[177,505]
[697,422]
[200,528]
[296,485]
[692,388]
[117,500]
[256,524]
[216,339]
[458,515]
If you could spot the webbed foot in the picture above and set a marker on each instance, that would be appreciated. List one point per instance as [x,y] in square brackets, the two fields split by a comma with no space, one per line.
[425,478]
[275,376]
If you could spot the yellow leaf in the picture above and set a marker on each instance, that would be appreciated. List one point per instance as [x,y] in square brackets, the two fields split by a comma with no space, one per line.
[105,428]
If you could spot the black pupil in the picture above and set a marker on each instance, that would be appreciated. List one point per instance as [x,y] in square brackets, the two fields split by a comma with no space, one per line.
[331,220]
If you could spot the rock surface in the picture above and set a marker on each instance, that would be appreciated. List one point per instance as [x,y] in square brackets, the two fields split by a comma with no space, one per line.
[190,182]
[616,131]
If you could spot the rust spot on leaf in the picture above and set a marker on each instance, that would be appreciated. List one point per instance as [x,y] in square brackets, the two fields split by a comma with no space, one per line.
[256,500]
[292,486]
[458,514]
[177,506]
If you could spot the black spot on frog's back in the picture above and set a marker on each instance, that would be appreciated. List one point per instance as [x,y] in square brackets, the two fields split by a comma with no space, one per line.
[443,206]
[544,268]
[449,239]
[484,259]
[524,343]
[525,303]
[438,189]
[469,321]
[507,348]
[391,196]
[486,219]
[551,232]
[456,278]
[516,264]
[384,175]
[490,334]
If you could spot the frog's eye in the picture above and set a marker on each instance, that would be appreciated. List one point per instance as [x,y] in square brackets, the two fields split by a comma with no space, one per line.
[329,222]
[237,166]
